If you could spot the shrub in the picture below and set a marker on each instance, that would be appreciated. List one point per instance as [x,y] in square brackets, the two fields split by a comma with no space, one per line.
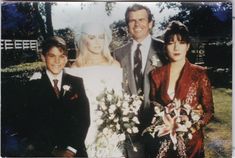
[21,72]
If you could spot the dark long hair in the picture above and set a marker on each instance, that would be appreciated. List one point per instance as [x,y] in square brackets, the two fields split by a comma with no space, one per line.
[179,29]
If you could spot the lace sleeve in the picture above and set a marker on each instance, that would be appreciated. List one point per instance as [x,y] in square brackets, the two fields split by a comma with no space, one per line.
[206,99]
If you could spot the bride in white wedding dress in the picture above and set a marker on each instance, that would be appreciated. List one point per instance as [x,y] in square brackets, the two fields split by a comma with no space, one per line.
[99,70]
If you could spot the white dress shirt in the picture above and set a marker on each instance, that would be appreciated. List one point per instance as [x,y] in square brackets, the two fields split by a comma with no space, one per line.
[144,48]
[53,77]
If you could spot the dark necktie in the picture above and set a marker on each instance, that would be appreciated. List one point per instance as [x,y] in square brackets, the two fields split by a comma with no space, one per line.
[137,69]
[56,89]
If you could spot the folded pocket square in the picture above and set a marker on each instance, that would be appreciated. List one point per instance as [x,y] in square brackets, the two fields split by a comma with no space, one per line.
[75,96]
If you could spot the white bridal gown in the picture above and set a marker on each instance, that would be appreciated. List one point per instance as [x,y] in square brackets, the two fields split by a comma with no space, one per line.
[96,79]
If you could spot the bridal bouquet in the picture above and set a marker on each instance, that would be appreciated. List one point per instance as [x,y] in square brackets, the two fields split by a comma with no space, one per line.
[118,114]
[177,120]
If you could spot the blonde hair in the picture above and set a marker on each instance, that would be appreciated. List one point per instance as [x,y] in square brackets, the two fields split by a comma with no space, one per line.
[82,56]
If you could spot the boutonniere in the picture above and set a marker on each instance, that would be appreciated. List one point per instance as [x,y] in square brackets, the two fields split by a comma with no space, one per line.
[66,88]
[75,96]
[154,61]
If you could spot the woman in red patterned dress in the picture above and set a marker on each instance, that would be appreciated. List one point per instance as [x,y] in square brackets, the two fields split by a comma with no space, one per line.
[181,80]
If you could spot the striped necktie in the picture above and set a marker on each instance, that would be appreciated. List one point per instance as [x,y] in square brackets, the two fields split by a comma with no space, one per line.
[137,69]
[55,87]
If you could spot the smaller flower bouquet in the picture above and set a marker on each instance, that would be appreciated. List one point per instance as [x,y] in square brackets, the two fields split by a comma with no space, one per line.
[176,121]
[118,114]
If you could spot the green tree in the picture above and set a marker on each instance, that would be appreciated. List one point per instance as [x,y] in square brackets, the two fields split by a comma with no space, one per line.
[205,19]
[68,35]
[43,14]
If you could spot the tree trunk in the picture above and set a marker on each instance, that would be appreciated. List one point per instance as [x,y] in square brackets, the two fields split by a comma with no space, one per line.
[48,19]
[40,19]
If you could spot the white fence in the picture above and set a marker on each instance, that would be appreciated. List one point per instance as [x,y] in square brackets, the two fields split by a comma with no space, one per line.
[7,44]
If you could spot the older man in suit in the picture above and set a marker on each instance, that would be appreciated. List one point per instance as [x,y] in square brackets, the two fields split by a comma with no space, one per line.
[58,108]
[138,58]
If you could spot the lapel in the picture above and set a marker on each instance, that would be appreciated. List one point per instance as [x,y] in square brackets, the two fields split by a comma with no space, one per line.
[149,67]
[72,92]
[182,84]
[166,78]
[152,54]
[128,75]
[47,88]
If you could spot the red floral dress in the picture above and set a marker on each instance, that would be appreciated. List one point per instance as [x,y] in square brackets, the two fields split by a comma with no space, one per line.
[193,88]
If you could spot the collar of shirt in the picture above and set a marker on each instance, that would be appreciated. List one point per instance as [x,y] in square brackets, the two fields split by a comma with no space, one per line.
[144,48]
[52,77]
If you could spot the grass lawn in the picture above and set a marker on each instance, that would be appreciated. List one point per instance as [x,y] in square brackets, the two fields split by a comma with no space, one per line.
[218,133]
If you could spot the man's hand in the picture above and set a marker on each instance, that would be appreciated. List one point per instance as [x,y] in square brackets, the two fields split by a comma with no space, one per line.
[68,153]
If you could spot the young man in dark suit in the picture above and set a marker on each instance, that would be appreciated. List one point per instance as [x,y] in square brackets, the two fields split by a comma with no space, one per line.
[138,58]
[57,107]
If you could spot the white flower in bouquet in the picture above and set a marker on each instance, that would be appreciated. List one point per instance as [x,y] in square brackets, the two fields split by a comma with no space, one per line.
[187,108]
[113,107]
[190,136]
[195,116]
[126,96]
[126,111]
[135,130]
[188,124]
[103,106]
[105,130]
[125,119]
[118,126]
[157,110]
[137,103]
[136,120]
[116,120]
[109,97]
[119,113]
[111,116]
[125,105]
[122,137]
[119,104]
[129,130]
[111,110]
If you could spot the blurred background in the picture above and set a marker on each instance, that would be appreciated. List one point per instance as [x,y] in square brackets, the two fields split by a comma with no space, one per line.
[24,25]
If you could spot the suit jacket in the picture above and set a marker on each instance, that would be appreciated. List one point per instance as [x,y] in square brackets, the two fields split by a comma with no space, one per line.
[193,88]
[57,122]
[123,55]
